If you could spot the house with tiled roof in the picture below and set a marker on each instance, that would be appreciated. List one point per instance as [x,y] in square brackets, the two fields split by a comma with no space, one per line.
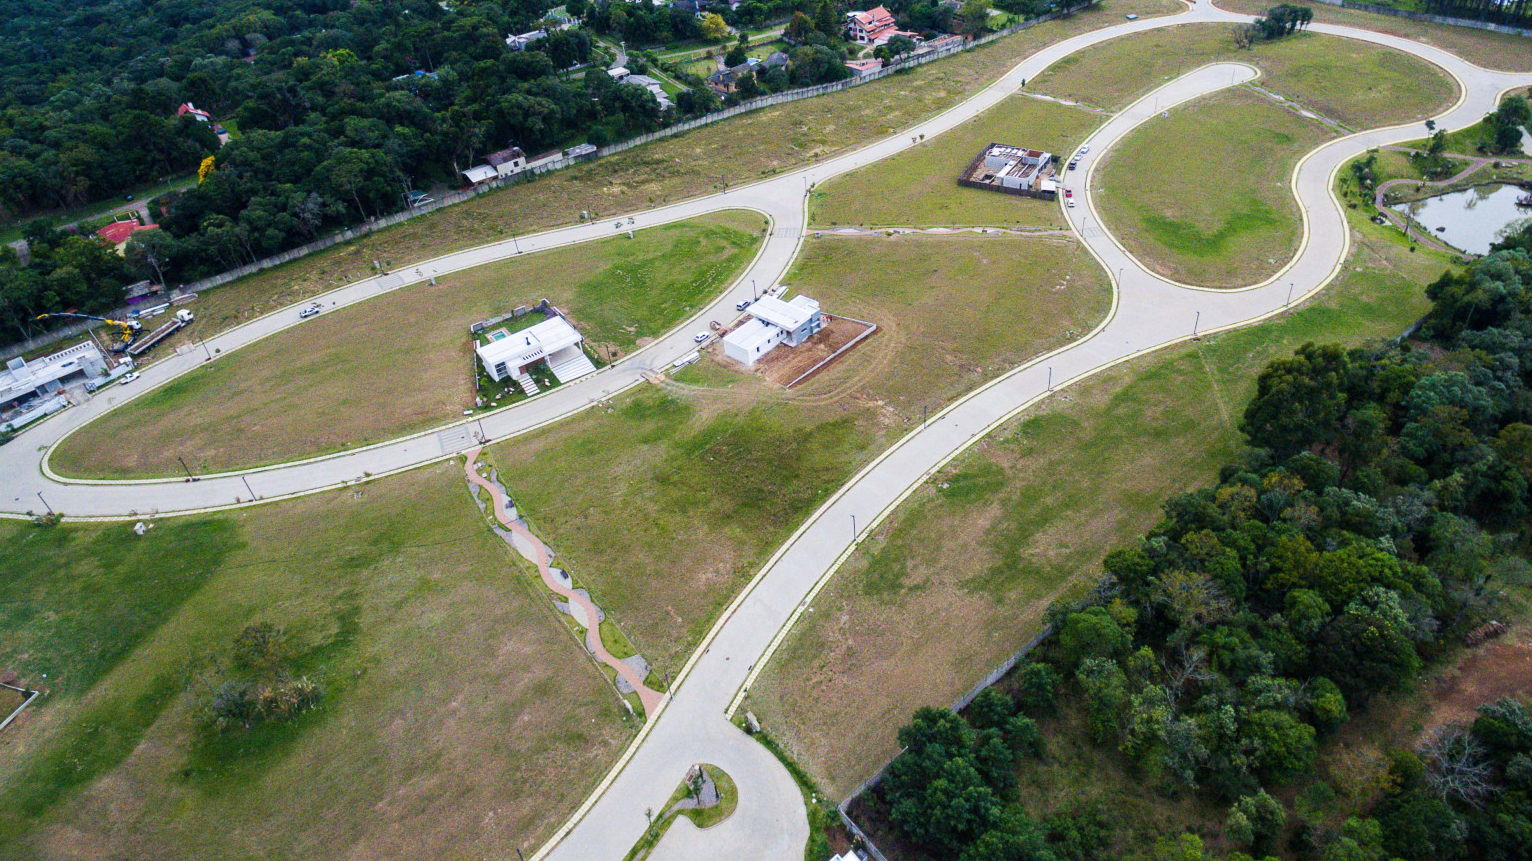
[189,109]
[873,27]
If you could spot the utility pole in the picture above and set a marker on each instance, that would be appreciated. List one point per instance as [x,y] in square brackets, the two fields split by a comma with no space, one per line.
[189,475]
[45,502]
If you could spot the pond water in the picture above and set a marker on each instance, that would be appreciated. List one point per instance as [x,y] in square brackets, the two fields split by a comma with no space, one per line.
[1472,217]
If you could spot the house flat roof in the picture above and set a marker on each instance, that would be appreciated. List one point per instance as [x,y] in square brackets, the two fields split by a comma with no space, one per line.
[20,377]
[479,173]
[750,335]
[530,344]
[786,315]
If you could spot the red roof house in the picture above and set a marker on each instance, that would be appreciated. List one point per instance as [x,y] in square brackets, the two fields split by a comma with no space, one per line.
[118,231]
[873,27]
[189,108]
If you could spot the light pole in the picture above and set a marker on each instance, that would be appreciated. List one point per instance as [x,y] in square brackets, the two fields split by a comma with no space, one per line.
[206,350]
[45,502]
[247,487]
[515,244]
[853,527]
[1050,378]
[1194,325]
[1289,295]
[189,475]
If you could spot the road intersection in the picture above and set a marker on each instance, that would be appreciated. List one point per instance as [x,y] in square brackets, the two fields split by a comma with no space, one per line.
[1148,313]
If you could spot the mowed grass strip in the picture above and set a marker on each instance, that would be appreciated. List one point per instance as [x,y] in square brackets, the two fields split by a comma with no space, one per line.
[742,149]
[1202,196]
[960,575]
[666,504]
[403,361]
[1357,84]
[1486,48]
[918,187]
[459,720]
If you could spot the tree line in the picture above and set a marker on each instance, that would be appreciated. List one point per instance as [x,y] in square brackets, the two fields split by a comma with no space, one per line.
[1378,515]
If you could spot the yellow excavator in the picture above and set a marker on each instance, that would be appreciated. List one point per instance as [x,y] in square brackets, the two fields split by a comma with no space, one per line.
[127,330]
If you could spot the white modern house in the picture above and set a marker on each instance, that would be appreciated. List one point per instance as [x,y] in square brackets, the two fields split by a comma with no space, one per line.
[510,354]
[773,322]
[31,390]
[520,41]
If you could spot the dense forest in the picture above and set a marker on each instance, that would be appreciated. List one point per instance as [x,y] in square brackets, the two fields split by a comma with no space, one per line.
[1375,522]
[1517,13]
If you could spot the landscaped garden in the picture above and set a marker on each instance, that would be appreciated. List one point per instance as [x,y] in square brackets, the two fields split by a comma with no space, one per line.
[403,361]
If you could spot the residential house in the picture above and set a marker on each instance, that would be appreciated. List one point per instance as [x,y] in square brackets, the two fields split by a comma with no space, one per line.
[510,355]
[653,86]
[1012,170]
[191,110]
[773,322]
[519,42]
[873,27]
[117,232]
[507,161]
[864,67]
[725,81]
[31,390]
[619,74]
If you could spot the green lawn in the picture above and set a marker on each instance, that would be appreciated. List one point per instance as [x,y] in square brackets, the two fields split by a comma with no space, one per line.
[682,493]
[459,720]
[1203,195]
[959,576]
[402,361]
[918,187]
[1354,83]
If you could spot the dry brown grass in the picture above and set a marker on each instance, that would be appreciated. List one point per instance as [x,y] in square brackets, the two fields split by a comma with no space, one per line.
[403,361]
[958,577]
[683,493]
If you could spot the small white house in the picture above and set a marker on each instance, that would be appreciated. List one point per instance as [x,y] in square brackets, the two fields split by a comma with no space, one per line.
[511,354]
[507,161]
[619,74]
[519,42]
[775,322]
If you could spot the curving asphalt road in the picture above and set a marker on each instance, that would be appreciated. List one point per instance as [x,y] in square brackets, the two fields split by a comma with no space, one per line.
[1149,312]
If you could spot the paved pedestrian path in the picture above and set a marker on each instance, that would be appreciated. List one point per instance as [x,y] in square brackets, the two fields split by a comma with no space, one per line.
[538,554]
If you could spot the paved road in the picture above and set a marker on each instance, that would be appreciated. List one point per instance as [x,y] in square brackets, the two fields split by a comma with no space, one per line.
[1150,312]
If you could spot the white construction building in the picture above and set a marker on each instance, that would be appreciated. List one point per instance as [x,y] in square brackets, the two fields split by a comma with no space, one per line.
[554,341]
[31,390]
[773,322]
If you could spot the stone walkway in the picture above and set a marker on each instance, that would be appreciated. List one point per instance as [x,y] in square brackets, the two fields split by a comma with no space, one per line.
[538,553]
[1424,234]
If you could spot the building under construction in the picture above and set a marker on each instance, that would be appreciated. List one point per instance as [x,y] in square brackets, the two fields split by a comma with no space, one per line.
[1013,170]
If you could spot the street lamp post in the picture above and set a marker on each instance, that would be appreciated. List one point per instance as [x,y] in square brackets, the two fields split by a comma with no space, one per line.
[1289,295]
[189,475]
[45,502]
[853,527]
[247,487]
[1194,324]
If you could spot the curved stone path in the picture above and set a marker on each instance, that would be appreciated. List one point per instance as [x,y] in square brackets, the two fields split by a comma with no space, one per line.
[538,553]
[1424,234]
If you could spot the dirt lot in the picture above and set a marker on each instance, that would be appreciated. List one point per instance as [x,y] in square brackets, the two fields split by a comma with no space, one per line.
[1499,668]
[786,364]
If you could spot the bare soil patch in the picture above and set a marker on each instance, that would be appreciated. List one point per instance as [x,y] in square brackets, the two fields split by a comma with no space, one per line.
[786,364]
[1499,668]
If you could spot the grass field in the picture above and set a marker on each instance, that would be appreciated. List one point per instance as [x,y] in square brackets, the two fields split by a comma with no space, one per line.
[402,361]
[919,187]
[743,149]
[1202,196]
[959,576]
[683,492]
[1354,83]
[459,720]
[1491,50]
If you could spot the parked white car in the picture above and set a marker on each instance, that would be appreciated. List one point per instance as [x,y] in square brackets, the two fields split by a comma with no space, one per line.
[700,337]
[128,378]
[308,312]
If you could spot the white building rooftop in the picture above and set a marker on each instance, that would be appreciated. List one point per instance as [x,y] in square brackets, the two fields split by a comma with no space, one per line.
[529,345]
[480,173]
[785,315]
[20,377]
[750,335]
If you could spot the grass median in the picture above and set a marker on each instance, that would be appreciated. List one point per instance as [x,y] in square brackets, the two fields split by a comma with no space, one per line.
[667,503]
[1202,195]
[403,361]
[1357,84]
[960,575]
[1486,48]
[458,719]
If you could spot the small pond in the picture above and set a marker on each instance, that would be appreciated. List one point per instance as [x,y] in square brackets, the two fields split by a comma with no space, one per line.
[1472,217]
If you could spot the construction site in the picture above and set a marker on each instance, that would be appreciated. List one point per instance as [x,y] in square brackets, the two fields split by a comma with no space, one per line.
[1013,170]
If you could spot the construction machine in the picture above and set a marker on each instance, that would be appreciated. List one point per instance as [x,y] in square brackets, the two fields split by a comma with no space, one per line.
[127,330]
